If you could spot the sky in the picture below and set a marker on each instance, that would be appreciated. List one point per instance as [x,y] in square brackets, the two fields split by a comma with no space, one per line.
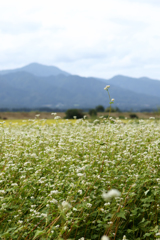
[98,38]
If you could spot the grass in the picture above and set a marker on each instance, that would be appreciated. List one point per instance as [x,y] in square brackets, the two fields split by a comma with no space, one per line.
[47,115]
[53,175]
[35,121]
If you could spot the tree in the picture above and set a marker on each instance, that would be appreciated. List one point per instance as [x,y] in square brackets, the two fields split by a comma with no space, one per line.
[108,109]
[133,115]
[100,108]
[74,113]
[92,112]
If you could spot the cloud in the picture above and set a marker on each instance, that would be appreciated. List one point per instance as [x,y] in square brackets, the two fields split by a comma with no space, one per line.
[91,38]
[16,28]
[150,2]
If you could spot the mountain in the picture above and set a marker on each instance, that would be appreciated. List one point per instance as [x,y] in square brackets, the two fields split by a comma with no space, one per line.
[37,70]
[24,89]
[142,85]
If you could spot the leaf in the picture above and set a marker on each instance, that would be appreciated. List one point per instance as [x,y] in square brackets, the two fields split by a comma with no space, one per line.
[121,214]
[143,220]
[39,233]
[148,234]
[8,233]
[155,229]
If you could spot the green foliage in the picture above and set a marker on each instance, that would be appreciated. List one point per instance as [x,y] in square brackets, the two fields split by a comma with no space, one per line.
[108,109]
[133,115]
[121,117]
[72,113]
[52,178]
[92,112]
[100,108]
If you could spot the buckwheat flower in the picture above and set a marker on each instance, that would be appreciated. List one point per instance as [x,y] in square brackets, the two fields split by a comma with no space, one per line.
[57,226]
[54,192]
[32,206]
[108,203]
[110,222]
[79,174]
[72,185]
[104,238]
[2,191]
[44,215]
[20,221]
[66,205]
[75,209]
[146,192]
[14,184]
[57,117]
[53,113]
[89,205]
[112,193]
[80,192]
[158,234]
[108,86]
[65,228]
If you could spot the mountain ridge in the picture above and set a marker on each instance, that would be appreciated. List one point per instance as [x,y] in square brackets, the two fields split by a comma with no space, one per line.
[37,69]
[24,89]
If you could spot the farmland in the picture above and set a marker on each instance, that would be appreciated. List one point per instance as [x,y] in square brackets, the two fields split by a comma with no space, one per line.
[47,115]
[53,177]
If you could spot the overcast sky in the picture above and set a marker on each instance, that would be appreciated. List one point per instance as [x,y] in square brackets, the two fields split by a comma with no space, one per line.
[99,38]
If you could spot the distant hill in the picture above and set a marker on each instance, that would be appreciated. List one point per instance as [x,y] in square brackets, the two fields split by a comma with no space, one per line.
[37,70]
[34,86]
[142,85]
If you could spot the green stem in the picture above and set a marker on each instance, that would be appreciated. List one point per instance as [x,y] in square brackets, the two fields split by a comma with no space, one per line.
[109,103]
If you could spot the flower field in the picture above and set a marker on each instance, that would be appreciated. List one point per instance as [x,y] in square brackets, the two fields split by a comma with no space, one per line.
[80,180]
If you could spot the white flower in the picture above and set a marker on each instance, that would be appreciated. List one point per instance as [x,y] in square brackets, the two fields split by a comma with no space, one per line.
[14,184]
[104,238]
[112,193]
[54,201]
[20,222]
[79,174]
[57,117]
[44,215]
[124,237]
[72,185]
[146,192]
[53,113]
[112,100]
[66,205]
[2,191]
[108,86]
[54,192]
[32,206]
[108,203]
[89,205]
[80,191]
